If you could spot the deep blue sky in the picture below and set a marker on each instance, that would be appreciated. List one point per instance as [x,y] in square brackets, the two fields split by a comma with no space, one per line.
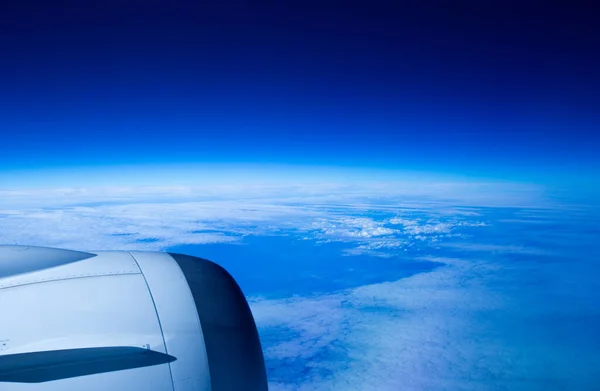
[509,90]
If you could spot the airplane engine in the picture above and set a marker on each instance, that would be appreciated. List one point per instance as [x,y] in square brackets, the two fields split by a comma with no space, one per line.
[117,320]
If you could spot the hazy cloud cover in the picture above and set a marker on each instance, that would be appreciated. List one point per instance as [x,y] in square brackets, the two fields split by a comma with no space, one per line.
[511,307]
[459,327]
[159,217]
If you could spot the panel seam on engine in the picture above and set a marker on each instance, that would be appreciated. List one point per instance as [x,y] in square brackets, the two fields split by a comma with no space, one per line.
[157,315]
[71,277]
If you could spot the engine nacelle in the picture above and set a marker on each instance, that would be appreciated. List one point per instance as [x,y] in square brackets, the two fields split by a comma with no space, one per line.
[117,320]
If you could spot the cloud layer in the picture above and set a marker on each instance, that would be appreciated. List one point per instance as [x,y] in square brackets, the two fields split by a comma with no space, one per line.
[514,305]
[460,327]
[158,218]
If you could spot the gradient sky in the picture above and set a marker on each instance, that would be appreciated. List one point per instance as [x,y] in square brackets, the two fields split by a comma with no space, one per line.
[508,91]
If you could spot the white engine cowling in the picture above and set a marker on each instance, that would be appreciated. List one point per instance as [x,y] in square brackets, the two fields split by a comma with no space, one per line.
[117,320]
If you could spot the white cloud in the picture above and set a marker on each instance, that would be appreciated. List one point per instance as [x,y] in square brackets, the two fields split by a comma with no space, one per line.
[154,218]
[496,248]
[456,197]
[419,226]
[456,328]
[115,226]
[395,335]
[380,247]
[351,228]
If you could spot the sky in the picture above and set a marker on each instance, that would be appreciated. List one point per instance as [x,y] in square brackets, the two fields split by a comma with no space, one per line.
[500,90]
